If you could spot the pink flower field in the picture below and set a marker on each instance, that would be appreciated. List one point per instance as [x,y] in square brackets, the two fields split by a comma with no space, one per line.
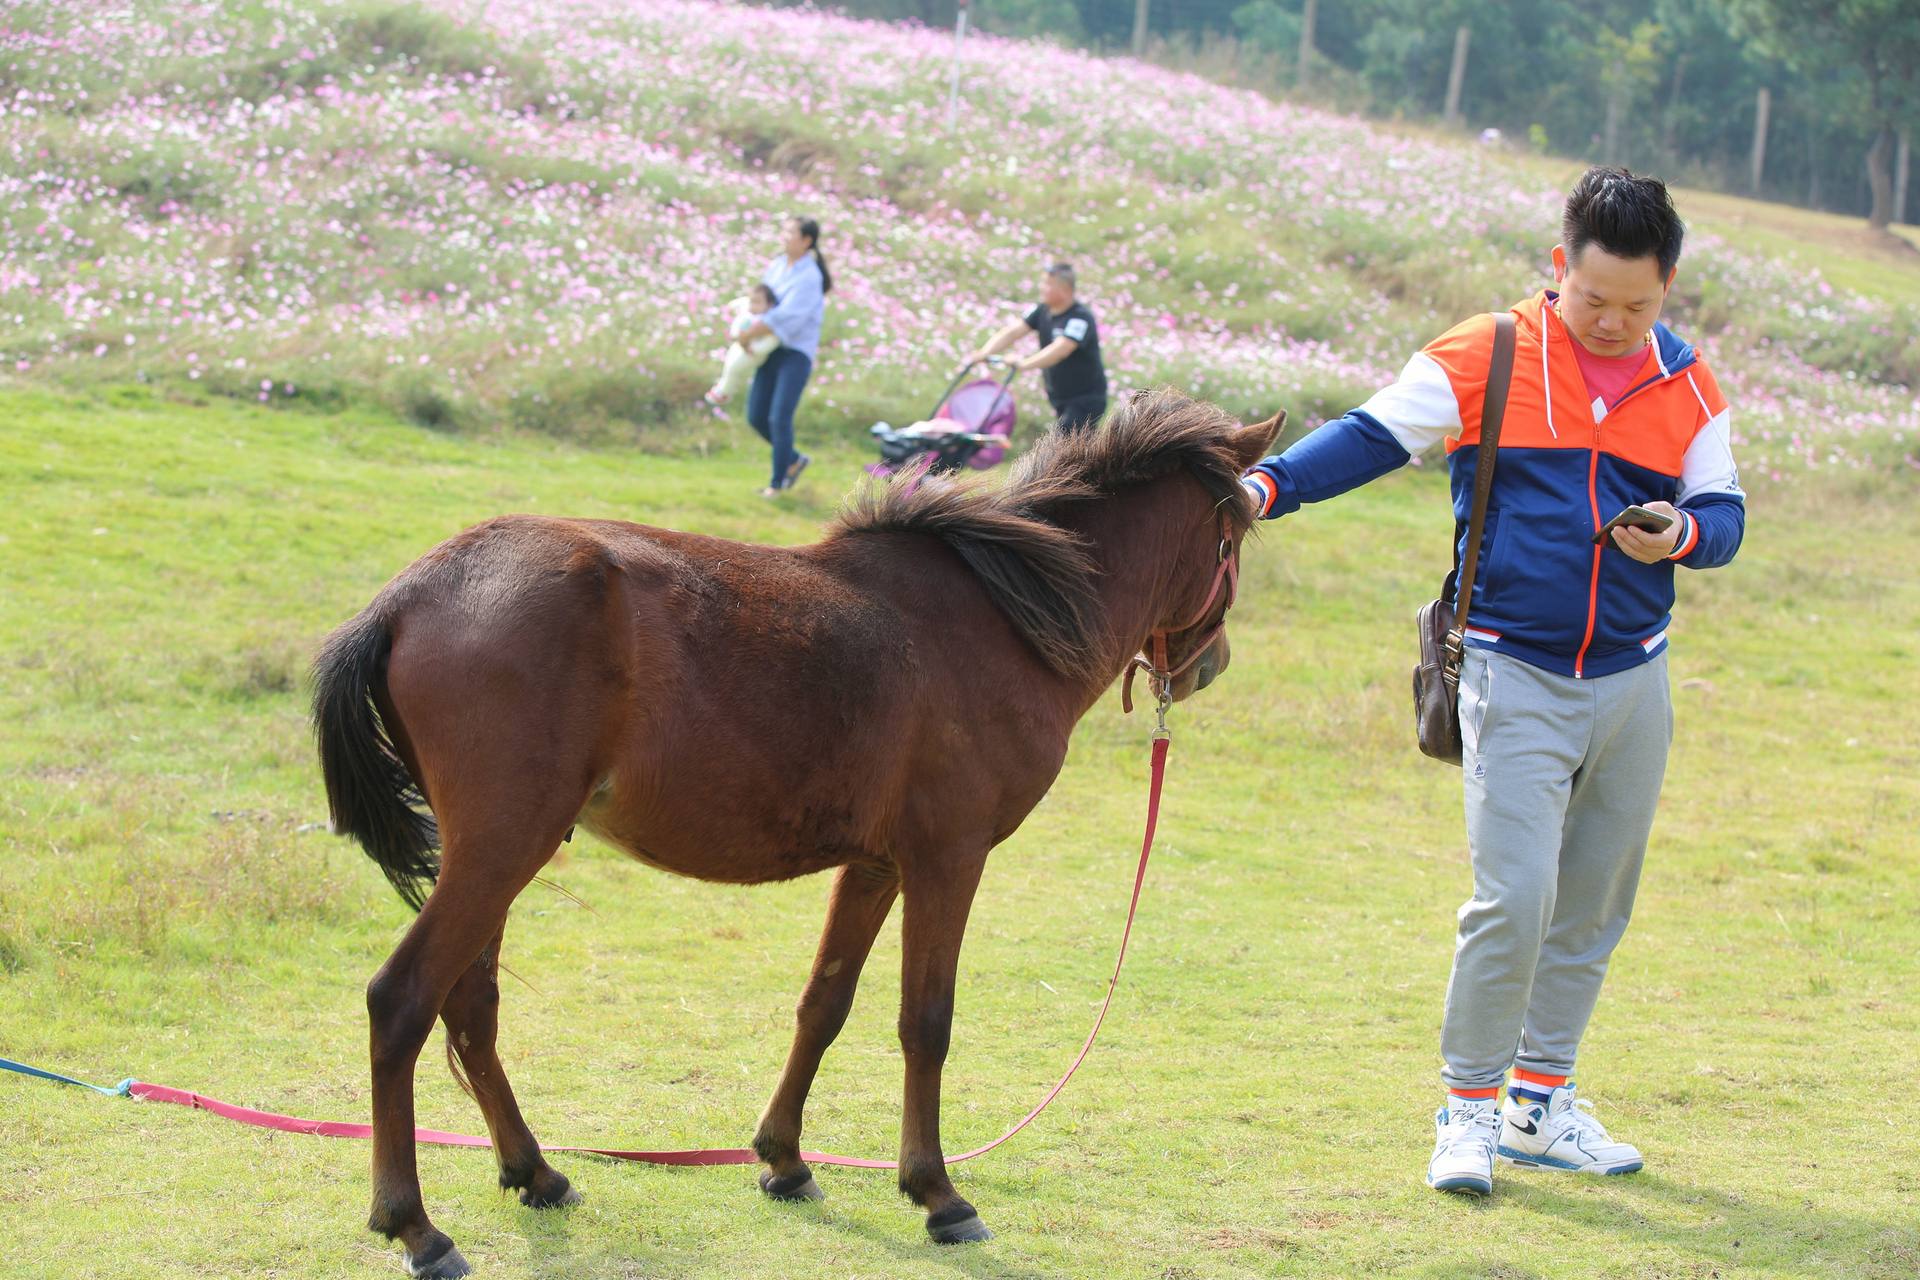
[534,208]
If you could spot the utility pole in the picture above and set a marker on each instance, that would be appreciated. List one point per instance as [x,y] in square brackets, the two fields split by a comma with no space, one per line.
[953,94]
[1763,101]
[1306,41]
[1139,28]
[1901,159]
[1456,78]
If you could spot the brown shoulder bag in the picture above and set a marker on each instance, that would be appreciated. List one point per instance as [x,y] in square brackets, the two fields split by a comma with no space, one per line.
[1443,625]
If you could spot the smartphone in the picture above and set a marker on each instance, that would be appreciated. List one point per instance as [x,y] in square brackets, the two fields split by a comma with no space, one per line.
[1638,517]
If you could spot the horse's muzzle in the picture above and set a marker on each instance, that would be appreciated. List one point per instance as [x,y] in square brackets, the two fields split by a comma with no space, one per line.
[1211,663]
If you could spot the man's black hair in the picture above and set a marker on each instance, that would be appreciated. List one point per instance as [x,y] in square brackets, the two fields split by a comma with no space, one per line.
[1627,216]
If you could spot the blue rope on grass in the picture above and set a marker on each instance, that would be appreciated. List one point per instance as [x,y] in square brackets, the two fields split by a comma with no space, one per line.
[119,1090]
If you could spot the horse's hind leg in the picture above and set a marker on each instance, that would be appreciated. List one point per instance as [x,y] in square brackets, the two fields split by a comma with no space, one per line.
[472,1016]
[482,871]
[862,896]
[404,998]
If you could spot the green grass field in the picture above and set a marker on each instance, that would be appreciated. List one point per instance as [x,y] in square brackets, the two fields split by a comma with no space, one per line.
[1260,1102]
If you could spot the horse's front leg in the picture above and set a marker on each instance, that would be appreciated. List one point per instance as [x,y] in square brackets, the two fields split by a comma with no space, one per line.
[862,896]
[939,894]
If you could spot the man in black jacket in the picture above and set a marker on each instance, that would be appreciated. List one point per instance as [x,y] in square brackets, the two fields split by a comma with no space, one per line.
[1069,351]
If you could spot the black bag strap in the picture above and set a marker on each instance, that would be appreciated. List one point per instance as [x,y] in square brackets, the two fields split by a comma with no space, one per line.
[1493,410]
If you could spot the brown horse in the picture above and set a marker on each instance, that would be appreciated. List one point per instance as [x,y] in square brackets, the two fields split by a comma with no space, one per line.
[891,701]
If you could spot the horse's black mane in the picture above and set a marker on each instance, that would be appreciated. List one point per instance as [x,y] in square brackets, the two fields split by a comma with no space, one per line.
[1036,571]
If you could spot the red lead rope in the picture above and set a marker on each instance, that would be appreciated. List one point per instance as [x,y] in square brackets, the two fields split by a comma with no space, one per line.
[703,1156]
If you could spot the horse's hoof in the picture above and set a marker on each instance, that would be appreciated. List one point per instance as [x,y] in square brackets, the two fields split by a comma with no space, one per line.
[556,1194]
[567,1198]
[792,1186]
[438,1264]
[958,1225]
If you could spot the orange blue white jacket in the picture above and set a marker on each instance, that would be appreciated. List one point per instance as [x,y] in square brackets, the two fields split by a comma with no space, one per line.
[1543,592]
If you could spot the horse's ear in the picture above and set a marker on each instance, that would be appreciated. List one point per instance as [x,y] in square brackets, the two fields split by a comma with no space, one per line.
[1252,443]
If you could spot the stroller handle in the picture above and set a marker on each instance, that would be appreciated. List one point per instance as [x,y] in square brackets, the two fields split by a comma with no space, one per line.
[991,362]
[997,363]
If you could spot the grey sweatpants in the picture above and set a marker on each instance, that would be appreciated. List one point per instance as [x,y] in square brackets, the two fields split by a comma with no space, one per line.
[1561,777]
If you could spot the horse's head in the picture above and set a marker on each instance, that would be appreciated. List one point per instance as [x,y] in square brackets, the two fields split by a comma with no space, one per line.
[1106,538]
[1188,647]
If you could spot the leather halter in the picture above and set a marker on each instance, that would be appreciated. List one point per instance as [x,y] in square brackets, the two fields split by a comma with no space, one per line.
[1160,677]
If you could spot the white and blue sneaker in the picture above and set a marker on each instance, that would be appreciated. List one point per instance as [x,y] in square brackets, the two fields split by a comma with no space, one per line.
[1561,1133]
[1464,1139]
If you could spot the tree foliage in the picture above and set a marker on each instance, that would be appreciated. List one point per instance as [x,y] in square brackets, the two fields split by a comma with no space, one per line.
[1679,78]
[1869,48]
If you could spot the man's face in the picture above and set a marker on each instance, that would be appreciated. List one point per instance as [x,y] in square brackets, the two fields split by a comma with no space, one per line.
[1055,293]
[1609,304]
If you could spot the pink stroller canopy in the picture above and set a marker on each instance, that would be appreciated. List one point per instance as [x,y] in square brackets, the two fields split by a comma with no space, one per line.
[984,406]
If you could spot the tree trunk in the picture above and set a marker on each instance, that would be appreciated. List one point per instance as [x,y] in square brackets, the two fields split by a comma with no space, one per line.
[1900,169]
[1879,179]
[1668,125]
[1616,93]
[1762,103]
[1813,166]
[1139,27]
[1306,40]
[1456,78]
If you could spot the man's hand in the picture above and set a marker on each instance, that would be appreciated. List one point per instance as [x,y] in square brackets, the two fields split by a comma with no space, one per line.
[979,356]
[1651,548]
[1260,491]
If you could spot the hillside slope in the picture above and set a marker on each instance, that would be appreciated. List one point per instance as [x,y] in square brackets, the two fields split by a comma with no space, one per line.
[532,214]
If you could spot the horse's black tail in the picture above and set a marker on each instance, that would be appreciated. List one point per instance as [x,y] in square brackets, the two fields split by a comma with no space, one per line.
[369,791]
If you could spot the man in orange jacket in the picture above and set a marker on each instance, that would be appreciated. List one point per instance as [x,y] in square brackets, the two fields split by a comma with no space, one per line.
[1565,712]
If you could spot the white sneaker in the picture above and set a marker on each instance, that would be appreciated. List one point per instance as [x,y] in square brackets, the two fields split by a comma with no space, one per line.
[1561,1133]
[1464,1138]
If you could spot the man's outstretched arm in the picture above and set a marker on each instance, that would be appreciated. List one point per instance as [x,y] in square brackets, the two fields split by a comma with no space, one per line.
[1052,354]
[1420,409]
[1000,341]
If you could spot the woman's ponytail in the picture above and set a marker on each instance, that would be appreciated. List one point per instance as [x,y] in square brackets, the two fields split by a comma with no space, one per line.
[811,230]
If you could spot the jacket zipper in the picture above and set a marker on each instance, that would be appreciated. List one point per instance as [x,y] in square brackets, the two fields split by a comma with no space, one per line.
[1593,504]
[1593,585]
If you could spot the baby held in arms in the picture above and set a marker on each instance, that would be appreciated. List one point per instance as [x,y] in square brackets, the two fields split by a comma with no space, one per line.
[737,370]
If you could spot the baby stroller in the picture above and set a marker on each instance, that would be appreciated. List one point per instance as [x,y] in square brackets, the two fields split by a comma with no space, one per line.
[968,427]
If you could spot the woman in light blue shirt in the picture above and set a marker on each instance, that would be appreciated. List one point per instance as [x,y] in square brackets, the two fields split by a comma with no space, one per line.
[800,283]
